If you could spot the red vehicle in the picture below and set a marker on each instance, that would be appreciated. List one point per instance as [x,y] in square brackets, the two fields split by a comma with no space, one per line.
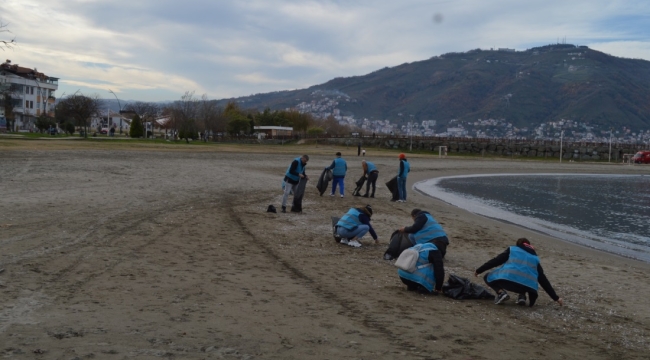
[642,157]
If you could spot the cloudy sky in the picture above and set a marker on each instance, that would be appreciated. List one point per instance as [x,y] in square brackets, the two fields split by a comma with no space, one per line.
[155,50]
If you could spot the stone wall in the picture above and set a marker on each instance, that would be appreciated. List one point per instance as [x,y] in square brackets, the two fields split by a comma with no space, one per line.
[509,148]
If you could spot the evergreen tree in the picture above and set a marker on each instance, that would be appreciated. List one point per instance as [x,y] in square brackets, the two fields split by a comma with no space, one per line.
[137,129]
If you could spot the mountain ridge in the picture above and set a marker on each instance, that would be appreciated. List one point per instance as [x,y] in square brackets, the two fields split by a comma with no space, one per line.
[526,88]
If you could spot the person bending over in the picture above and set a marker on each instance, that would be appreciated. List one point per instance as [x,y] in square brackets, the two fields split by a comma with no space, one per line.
[429,273]
[520,272]
[426,229]
[371,172]
[354,225]
[295,172]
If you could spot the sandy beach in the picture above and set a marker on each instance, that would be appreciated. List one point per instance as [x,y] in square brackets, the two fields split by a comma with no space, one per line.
[118,251]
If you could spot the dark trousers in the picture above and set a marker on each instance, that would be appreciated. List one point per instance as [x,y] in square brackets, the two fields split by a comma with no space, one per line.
[507,285]
[372,180]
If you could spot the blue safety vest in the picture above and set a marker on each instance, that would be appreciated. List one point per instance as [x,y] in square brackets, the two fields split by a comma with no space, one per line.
[340,167]
[407,168]
[299,169]
[521,268]
[429,231]
[350,220]
[423,273]
[371,167]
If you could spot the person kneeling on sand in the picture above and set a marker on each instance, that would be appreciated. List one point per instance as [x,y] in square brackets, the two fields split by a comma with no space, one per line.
[354,225]
[429,272]
[426,229]
[520,272]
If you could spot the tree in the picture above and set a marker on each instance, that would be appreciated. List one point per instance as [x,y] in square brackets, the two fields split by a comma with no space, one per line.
[6,44]
[44,122]
[183,115]
[136,130]
[7,99]
[240,124]
[80,108]
[68,127]
[315,131]
[147,111]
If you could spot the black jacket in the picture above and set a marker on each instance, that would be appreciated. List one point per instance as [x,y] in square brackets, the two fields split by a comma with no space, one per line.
[541,278]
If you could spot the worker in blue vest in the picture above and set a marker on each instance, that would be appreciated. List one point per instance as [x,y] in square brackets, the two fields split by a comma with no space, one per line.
[429,273]
[354,225]
[426,229]
[520,272]
[371,172]
[294,173]
[402,174]
[339,167]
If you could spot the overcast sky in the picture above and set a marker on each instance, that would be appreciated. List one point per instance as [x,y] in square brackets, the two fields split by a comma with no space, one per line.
[153,50]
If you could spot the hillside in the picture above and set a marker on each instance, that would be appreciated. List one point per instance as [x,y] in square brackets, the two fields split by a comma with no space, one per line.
[526,88]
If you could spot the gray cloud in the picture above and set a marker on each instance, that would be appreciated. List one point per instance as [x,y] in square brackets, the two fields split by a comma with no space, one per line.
[158,49]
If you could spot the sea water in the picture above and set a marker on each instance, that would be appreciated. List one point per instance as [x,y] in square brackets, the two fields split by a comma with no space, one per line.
[606,212]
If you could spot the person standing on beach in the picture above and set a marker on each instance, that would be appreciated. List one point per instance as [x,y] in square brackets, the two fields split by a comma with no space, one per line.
[354,225]
[402,174]
[520,272]
[359,148]
[426,229]
[295,172]
[371,172]
[339,168]
[429,273]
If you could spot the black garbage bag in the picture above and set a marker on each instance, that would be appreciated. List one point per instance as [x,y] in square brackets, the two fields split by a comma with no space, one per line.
[359,183]
[324,181]
[460,288]
[392,187]
[298,195]
[398,243]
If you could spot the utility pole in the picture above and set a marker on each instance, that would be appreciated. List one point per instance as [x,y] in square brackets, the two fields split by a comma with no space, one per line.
[561,136]
[411,135]
[610,145]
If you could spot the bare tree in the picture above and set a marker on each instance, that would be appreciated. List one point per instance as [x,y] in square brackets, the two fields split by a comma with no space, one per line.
[212,119]
[80,108]
[8,44]
[184,114]
[147,111]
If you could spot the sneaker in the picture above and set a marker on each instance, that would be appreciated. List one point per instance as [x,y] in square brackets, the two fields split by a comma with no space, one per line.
[521,300]
[284,209]
[501,297]
[388,257]
[354,243]
[400,200]
[341,195]
[332,194]
[344,241]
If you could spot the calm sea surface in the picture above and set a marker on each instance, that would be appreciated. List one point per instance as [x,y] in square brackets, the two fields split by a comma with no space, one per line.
[607,212]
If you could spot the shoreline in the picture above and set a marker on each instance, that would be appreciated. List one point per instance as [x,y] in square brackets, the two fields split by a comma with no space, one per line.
[559,231]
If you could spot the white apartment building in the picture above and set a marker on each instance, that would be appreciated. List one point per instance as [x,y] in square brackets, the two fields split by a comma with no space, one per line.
[32,94]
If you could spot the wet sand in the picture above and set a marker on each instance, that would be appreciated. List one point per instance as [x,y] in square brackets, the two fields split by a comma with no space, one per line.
[155,251]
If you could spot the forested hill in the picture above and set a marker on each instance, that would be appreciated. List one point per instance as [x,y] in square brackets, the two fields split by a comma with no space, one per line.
[525,88]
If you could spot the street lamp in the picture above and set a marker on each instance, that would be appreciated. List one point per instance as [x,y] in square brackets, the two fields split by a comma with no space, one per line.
[120,105]
[561,136]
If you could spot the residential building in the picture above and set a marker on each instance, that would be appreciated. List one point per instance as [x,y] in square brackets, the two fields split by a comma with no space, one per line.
[32,94]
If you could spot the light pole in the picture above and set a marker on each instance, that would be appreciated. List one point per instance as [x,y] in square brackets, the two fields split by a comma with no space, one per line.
[561,136]
[120,105]
[610,145]
[411,135]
